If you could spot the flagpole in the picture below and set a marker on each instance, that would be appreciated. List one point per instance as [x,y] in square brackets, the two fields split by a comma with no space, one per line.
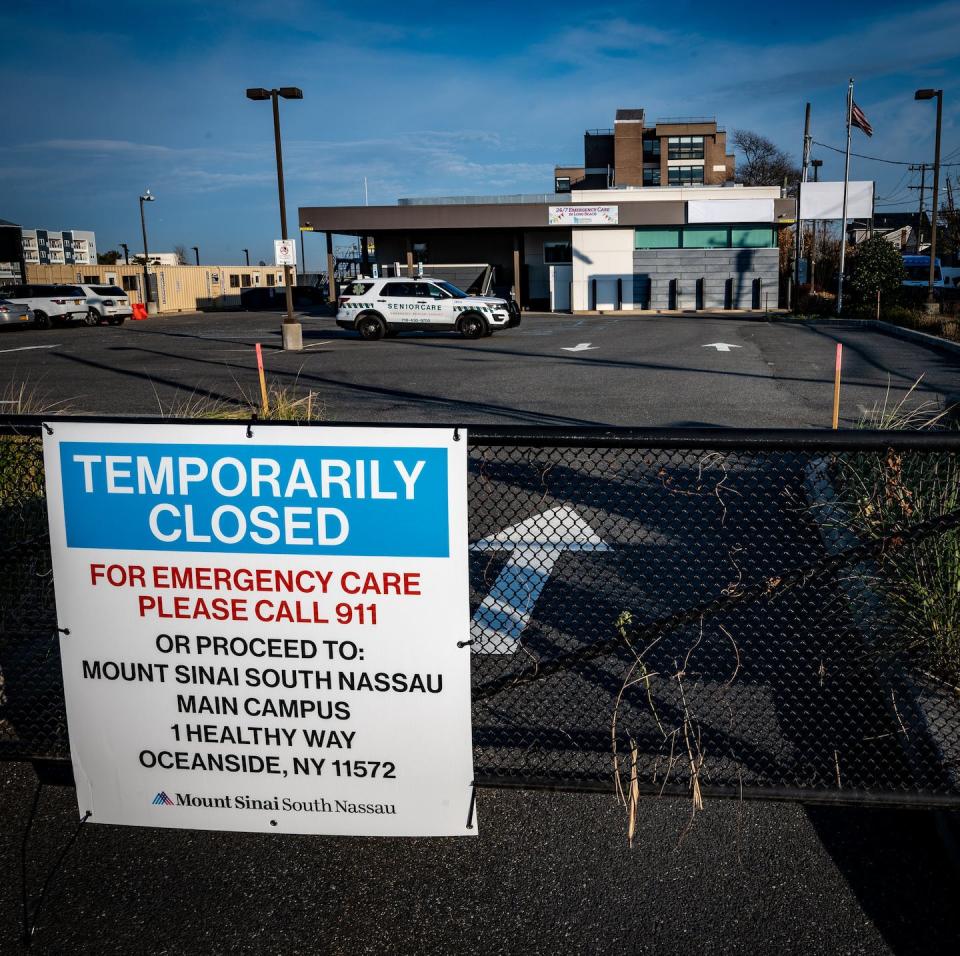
[846,181]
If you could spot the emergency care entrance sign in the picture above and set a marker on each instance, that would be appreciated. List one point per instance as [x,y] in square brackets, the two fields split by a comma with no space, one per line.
[265,633]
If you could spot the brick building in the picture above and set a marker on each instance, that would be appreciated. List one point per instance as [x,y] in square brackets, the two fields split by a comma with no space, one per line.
[679,151]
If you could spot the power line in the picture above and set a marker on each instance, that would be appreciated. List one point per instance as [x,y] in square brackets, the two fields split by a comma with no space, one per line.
[877,159]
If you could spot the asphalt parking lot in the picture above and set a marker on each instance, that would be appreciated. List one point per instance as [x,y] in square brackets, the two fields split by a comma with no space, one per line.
[550,872]
[597,370]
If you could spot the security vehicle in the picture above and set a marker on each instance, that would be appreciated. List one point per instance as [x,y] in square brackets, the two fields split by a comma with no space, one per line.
[106,303]
[383,307]
[50,303]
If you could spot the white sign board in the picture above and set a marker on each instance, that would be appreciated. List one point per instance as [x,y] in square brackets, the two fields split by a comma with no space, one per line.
[729,210]
[583,215]
[825,200]
[284,252]
[261,633]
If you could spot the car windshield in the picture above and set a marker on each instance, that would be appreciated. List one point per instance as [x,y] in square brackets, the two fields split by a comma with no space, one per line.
[452,290]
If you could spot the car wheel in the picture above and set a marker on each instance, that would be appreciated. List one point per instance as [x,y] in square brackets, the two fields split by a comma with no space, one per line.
[41,320]
[473,326]
[116,319]
[92,317]
[371,327]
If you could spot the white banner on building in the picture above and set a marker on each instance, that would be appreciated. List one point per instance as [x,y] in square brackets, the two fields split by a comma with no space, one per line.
[261,632]
[729,210]
[583,215]
[284,252]
[825,200]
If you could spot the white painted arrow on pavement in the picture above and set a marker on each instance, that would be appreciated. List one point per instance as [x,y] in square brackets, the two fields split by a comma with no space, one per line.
[722,346]
[535,545]
[582,347]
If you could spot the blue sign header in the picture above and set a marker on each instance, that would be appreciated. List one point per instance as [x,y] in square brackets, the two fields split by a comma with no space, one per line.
[245,499]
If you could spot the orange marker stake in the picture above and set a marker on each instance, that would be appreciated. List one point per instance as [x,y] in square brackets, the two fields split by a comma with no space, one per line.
[836,387]
[263,384]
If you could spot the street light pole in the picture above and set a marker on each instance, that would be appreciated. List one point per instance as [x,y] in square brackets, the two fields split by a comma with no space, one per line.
[291,330]
[196,253]
[147,297]
[929,95]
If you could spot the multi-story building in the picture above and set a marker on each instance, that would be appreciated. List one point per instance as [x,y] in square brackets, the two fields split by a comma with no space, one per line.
[678,151]
[55,247]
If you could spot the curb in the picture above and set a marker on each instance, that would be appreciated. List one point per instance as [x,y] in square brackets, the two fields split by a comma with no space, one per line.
[895,331]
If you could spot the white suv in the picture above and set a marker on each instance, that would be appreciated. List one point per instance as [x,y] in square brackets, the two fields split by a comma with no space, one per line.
[106,302]
[379,307]
[50,303]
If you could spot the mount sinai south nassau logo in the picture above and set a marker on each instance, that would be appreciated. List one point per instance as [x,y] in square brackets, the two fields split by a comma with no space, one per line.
[162,800]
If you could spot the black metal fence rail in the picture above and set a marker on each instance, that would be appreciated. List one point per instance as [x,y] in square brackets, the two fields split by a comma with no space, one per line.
[760,614]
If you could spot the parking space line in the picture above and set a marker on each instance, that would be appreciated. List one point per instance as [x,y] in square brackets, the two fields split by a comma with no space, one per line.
[27,348]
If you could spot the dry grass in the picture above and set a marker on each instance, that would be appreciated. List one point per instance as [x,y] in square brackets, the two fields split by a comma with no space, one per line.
[888,492]
[28,398]
[284,404]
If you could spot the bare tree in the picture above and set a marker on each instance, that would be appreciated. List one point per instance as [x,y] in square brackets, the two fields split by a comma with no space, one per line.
[181,253]
[765,164]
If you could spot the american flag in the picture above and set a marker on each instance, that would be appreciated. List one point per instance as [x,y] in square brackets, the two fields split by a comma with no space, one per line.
[859,120]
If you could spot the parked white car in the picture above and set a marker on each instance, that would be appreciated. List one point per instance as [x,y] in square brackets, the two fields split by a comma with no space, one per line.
[50,303]
[107,303]
[379,307]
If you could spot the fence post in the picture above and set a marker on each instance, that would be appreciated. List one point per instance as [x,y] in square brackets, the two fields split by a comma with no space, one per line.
[619,293]
[593,289]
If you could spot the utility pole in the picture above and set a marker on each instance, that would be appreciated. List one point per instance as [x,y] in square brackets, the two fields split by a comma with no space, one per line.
[816,164]
[922,169]
[798,251]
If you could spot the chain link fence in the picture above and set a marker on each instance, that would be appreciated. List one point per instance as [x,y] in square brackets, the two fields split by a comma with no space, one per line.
[762,614]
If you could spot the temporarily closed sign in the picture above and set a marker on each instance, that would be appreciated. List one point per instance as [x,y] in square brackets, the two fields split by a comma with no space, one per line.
[261,633]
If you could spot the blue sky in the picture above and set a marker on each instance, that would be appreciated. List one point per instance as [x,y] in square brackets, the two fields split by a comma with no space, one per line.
[104,100]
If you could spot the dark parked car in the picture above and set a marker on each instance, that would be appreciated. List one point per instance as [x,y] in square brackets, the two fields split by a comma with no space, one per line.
[274,298]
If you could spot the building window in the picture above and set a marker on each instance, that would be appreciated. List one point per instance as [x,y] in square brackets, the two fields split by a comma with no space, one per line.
[245,280]
[753,237]
[685,175]
[554,252]
[269,278]
[129,283]
[651,177]
[651,149]
[562,184]
[91,280]
[685,147]
[234,281]
[705,237]
[657,237]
